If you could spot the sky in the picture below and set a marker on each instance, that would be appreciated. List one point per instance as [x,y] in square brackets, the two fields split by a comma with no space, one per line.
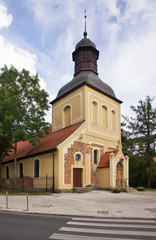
[40,36]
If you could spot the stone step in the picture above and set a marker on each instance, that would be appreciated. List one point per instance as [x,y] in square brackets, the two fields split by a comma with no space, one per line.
[80,190]
[131,189]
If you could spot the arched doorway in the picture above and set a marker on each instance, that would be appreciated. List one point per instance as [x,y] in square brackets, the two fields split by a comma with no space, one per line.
[119,175]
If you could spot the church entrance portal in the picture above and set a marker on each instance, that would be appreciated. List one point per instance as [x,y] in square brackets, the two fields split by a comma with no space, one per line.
[77,177]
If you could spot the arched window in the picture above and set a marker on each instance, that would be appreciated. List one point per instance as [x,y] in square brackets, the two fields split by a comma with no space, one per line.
[21,171]
[7,172]
[119,165]
[94,112]
[113,120]
[77,156]
[105,116]
[36,168]
[67,116]
[96,156]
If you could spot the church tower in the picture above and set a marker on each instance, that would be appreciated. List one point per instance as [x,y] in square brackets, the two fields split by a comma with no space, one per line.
[84,147]
[65,113]
[85,56]
[94,157]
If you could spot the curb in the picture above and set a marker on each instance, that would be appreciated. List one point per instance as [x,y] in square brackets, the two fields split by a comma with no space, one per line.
[70,215]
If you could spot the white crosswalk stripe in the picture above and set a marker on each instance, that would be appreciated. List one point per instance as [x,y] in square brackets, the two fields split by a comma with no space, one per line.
[110,225]
[87,228]
[114,232]
[113,220]
[78,237]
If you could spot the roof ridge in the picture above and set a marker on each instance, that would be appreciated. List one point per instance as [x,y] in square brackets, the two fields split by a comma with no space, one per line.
[46,144]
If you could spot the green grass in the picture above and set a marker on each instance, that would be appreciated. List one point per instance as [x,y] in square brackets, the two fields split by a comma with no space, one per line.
[150,189]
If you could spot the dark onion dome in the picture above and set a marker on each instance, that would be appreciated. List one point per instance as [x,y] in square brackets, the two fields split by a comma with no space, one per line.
[85,57]
[85,42]
[90,79]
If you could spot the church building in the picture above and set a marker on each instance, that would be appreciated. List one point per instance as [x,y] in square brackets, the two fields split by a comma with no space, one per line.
[84,144]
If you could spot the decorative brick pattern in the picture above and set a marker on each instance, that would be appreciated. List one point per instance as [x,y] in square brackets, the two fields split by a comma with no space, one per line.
[69,160]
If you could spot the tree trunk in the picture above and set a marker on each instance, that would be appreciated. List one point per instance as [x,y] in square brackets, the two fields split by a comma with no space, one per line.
[149,182]
[15,165]
[149,179]
[0,172]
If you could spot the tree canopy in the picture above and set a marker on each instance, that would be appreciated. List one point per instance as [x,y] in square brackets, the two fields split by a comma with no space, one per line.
[139,139]
[23,106]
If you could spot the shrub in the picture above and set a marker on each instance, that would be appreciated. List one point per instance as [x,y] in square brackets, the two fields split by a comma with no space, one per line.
[140,189]
[116,190]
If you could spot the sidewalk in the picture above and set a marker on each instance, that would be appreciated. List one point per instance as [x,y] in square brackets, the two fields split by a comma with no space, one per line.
[96,204]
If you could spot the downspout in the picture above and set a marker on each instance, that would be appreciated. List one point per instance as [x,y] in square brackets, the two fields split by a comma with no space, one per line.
[53,175]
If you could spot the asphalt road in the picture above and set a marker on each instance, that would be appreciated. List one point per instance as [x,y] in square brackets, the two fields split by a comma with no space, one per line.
[43,227]
[29,227]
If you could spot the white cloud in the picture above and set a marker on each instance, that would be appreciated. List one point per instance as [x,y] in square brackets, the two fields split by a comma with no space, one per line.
[42,83]
[134,72]
[19,58]
[128,64]
[13,55]
[123,30]
[6,18]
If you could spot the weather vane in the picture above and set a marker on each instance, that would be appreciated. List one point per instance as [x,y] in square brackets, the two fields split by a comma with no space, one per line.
[85,16]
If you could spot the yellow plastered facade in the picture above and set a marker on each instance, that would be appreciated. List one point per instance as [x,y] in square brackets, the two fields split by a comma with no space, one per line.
[91,133]
[94,135]
[104,178]
[76,161]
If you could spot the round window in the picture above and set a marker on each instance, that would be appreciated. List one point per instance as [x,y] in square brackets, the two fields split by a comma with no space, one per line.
[77,157]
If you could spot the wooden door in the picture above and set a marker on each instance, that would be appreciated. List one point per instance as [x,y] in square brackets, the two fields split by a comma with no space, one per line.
[77,177]
[119,175]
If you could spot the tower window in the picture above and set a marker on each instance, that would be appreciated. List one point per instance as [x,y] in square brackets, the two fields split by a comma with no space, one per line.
[113,120]
[94,112]
[104,116]
[67,118]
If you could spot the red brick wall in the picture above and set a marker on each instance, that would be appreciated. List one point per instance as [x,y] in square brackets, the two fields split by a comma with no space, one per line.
[69,160]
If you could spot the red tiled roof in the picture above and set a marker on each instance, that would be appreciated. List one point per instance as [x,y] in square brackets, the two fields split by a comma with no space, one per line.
[104,161]
[48,143]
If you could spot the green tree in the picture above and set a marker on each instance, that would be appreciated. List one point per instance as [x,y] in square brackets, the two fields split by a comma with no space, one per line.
[22,109]
[142,136]
[6,143]
[127,141]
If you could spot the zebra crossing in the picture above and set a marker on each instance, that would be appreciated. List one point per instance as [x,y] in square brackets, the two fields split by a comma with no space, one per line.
[106,229]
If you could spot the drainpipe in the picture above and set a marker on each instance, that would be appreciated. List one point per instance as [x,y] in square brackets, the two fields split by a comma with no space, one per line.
[53,175]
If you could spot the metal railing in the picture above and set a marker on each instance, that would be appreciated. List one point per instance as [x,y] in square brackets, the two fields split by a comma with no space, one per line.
[25,184]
